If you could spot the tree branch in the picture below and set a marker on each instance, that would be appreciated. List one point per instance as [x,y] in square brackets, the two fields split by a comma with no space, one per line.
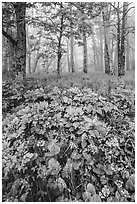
[14,42]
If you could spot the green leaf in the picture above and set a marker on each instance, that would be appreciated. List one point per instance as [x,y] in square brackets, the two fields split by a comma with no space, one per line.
[87,119]
[95,198]
[117,195]
[65,99]
[91,188]
[103,179]
[108,169]
[54,148]
[99,111]
[75,155]
[91,133]
[23,197]
[61,184]
[101,130]
[95,119]
[132,178]
[76,165]
[96,133]
[86,196]
[129,185]
[53,164]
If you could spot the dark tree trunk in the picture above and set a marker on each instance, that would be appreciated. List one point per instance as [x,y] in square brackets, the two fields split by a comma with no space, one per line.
[9,45]
[118,41]
[107,58]
[71,45]
[59,54]
[84,51]
[121,70]
[20,11]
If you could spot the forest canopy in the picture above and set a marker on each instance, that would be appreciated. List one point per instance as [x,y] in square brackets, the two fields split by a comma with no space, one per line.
[68,37]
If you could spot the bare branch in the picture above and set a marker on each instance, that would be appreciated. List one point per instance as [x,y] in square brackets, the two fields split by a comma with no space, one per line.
[14,42]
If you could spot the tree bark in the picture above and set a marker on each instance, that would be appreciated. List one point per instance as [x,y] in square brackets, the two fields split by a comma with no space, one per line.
[8,44]
[71,44]
[36,61]
[121,70]
[96,57]
[71,49]
[101,49]
[59,54]
[118,40]
[84,51]
[68,55]
[127,61]
[106,47]
[20,11]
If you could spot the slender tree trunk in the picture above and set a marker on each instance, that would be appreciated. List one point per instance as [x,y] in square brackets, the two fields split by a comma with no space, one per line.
[116,60]
[118,41]
[106,58]
[106,47]
[68,55]
[20,11]
[71,48]
[36,61]
[59,54]
[29,63]
[71,44]
[49,63]
[127,54]
[96,57]
[28,52]
[84,51]
[101,49]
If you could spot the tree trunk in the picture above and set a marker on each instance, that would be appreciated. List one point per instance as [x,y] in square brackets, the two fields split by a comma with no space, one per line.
[121,70]
[127,54]
[101,49]
[84,51]
[71,49]
[71,44]
[36,61]
[68,55]
[116,60]
[59,54]
[8,47]
[20,11]
[106,57]
[96,57]
[118,40]
[106,47]
[28,52]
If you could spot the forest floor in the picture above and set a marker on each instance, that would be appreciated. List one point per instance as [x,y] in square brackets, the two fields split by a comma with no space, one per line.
[80,78]
[69,139]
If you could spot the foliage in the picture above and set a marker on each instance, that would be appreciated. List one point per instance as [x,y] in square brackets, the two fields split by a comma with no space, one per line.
[67,144]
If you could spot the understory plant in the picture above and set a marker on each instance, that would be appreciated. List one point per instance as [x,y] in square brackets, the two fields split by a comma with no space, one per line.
[68,144]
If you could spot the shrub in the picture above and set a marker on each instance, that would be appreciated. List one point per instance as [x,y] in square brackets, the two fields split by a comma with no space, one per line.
[69,145]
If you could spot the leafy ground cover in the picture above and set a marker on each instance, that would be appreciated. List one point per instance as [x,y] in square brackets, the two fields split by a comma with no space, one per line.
[72,141]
